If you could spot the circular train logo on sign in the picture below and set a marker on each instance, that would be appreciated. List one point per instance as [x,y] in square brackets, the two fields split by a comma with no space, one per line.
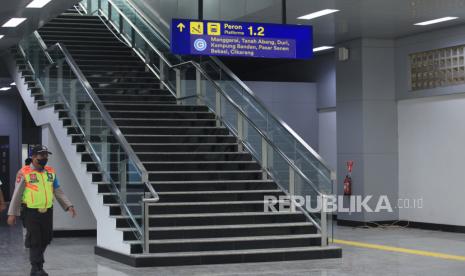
[200,44]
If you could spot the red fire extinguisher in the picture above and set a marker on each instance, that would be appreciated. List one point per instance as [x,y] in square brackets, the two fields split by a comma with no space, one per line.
[348,179]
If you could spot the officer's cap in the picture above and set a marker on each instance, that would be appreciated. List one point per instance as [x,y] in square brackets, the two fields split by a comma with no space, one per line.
[40,149]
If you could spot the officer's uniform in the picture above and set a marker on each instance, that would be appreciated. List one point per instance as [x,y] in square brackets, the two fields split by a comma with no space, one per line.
[33,199]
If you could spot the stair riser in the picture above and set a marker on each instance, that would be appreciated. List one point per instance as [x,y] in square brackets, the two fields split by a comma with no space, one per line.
[120,52]
[235,232]
[218,186]
[85,42]
[129,99]
[173,123]
[76,26]
[92,74]
[167,115]
[123,79]
[219,220]
[176,131]
[149,123]
[187,176]
[120,86]
[187,167]
[76,19]
[172,148]
[167,108]
[161,131]
[183,157]
[234,245]
[111,41]
[75,33]
[135,90]
[164,139]
[237,258]
[198,209]
[110,67]
[104,62]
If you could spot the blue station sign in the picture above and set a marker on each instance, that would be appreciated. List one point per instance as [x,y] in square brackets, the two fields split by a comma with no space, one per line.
[241,39]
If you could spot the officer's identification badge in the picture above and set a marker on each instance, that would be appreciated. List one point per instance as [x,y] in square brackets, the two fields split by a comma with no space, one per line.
[50,177]
[33,178]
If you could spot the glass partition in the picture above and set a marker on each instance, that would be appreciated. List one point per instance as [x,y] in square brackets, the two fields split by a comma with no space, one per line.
[63,86]
[274,144]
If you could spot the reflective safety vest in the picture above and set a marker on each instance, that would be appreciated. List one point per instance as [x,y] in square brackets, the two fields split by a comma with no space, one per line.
[38,192]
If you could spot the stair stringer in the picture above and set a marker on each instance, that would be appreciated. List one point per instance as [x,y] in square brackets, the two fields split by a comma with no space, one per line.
[108,236]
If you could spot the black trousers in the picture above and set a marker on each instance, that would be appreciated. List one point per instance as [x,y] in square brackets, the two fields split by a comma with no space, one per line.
[39,234]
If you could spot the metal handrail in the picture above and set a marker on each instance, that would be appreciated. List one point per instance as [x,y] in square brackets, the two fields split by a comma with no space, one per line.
[239,81]
[219,89]
[260,102]
[239,109]
[228,72]
[106,117]
[165,62]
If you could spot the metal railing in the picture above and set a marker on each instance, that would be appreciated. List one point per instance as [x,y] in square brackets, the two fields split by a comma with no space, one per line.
[62,82]
[284,155]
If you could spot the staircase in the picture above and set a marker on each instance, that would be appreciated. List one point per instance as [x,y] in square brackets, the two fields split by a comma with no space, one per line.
[211,191]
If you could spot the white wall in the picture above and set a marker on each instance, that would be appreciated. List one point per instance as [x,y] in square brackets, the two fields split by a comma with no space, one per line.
[432,158]
[293,102]
[61,220]
[327,137]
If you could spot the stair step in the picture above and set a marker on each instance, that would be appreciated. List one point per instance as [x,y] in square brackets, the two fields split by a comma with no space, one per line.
[218,231]
[254,238]
[236,256]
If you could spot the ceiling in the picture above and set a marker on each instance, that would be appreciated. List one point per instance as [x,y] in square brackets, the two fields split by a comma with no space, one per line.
[364,18]
[357,18]
[35,18]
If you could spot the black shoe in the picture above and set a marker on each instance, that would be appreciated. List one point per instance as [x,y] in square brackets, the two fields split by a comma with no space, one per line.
[38,272]
[43,273]
[35,271]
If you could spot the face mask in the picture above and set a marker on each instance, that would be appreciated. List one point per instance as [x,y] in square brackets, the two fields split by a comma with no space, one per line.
[42,162]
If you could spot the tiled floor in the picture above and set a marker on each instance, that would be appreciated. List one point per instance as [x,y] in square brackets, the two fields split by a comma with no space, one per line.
[74,256]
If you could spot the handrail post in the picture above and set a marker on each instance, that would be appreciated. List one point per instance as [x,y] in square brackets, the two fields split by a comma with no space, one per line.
[87,119]
[89,6]
[133,38]
[109,11]
[178,83]
[240,131]
[162,73]
[291,181]
[218,108]
[122,179]
[264,158]
[198,85]
[72,96]
[59,78]
[324,222]
[121,22]
[146,222]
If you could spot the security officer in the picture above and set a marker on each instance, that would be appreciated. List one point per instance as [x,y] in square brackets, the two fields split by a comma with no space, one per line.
[36,186]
